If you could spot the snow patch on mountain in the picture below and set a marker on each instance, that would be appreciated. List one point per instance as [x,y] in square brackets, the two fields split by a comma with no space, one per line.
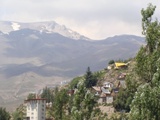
[46,27]
[15,26]
[52,27]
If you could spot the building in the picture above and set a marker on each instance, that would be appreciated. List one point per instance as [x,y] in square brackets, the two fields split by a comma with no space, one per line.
[120,65]
[104,93]
[97,90]
[36,109]
[122,76]
[108,85]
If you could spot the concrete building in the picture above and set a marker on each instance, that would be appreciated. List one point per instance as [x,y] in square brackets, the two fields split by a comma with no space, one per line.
[36,109]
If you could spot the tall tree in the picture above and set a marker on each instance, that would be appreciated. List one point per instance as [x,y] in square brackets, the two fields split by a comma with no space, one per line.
[146,104]
[47,94]
[90,79]
[4,115]
[19,113]
[59,104]
[83,103]
[147,55]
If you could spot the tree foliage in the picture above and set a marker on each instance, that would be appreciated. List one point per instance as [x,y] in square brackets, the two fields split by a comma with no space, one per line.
[148,55]
[47,94]
[59,104]
[146,104]
[111,62]
[83,103]
[90,79]
[74,82]
[31,96]
[125,95]
[19,113]
[4,115]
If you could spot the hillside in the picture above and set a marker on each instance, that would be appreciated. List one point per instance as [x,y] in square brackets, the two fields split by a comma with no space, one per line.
[32,58]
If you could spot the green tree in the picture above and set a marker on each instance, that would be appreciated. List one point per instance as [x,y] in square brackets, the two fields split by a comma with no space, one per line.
[47,94]
[4,115]
[146,104]
[31,96]
[59,104]
[147,55]
[19,113]
[83,103]
[125,95]
[90,79]
[74,82]
[111,62]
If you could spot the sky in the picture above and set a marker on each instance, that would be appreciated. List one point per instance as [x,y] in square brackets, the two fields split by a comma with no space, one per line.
[96,19]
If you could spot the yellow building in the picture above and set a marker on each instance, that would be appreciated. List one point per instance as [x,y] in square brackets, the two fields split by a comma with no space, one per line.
[120,65]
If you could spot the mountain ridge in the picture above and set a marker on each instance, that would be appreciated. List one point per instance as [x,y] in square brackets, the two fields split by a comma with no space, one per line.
[48,27]
[31,59]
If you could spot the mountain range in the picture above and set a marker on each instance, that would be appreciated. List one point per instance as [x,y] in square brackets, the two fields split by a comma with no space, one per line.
[34,55]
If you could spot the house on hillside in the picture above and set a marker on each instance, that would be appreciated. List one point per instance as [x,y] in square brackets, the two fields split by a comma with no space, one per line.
[120,65]
[111,66]
[105,92]
[107,85]
[121,76]
[105,98]
[121,80]
[97,90]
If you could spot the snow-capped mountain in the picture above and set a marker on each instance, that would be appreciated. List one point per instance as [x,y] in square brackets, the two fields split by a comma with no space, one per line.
[47,27]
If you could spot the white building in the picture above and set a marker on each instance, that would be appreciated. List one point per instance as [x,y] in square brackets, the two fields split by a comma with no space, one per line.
[36,109]
[108,85]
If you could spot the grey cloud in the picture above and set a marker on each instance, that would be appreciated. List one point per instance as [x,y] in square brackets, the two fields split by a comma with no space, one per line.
[81,11]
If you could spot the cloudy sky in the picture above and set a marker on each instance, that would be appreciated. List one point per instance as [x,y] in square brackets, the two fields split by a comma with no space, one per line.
[96,19]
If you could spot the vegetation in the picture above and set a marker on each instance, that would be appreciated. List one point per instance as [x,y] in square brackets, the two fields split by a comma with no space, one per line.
[31,96]
[48,95]
[125,96]
[83,103]
[90,79]
[19,113]
[74,82]
[141,96]
[111,62]
[145,104]
[4,115]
